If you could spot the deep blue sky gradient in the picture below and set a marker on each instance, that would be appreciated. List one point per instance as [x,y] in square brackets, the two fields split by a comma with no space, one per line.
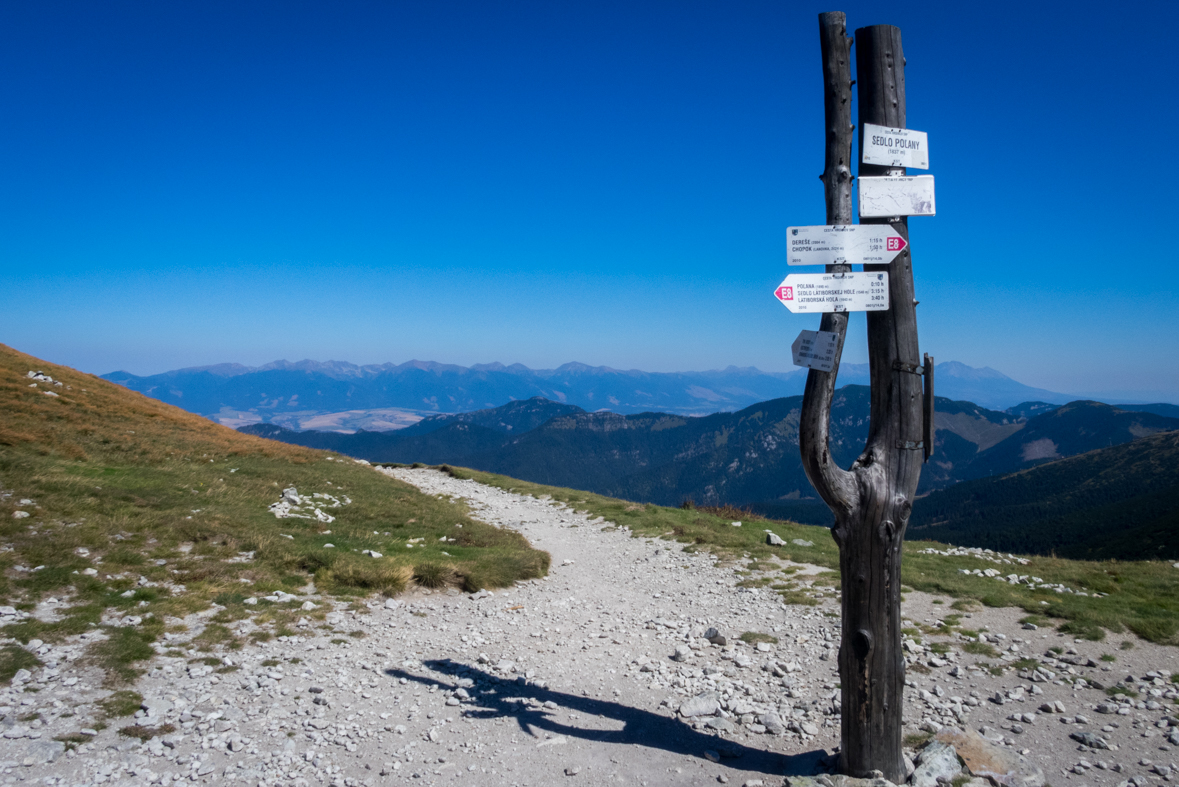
[187,183]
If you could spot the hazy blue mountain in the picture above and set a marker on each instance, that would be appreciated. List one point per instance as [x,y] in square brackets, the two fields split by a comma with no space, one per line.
[235,394]
[514,417]
[988,387]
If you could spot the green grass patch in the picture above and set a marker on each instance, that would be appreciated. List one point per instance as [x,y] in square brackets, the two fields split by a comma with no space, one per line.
[121,703]
[980,649]
[124,649]
[14,658]
[753,637]
[1108,657]
[1125,691]
[916,740]
[1083,629]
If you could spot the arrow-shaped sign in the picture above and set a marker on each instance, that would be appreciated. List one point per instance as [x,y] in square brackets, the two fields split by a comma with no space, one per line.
[850,244]
[805,293]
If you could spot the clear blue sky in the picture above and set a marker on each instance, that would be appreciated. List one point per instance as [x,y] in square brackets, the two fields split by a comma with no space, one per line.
[187,183]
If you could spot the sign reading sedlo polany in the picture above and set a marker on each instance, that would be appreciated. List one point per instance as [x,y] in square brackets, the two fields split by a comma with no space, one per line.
[895,147]
[851,244]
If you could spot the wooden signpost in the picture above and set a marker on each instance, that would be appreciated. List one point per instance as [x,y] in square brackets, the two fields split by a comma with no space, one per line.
[872,500]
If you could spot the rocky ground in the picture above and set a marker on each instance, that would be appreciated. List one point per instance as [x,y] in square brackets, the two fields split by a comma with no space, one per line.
[623,666]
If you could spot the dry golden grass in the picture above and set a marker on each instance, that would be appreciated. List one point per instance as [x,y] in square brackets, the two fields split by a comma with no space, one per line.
[170,499]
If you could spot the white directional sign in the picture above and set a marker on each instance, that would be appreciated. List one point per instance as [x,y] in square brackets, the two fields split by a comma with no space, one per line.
[895,147]
[815,350]
[805,293]
[853,244]
[896,196]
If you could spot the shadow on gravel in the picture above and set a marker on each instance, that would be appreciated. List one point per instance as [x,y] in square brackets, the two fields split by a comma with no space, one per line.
[493,697]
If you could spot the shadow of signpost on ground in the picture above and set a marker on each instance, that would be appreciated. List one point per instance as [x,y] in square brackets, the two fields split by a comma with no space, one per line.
[490,695]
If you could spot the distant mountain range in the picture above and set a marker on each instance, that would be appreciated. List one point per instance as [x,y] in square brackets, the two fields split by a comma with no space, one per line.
[338,396]
[749,457]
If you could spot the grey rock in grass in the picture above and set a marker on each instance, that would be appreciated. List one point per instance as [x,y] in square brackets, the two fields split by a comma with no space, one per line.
[802,542]
[774,540]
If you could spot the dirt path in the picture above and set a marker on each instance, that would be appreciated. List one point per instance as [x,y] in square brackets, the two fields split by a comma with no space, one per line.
[576,679]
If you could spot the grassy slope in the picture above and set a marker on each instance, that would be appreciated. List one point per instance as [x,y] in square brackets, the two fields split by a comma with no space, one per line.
[1143,596]
[132,479]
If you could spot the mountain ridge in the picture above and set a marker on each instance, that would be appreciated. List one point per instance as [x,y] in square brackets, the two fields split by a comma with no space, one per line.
[355,396]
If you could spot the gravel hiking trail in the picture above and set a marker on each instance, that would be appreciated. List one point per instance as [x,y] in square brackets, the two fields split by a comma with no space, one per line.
[625,665]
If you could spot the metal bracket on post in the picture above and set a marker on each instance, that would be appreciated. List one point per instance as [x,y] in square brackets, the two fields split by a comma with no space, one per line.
[928,431]
[912,368]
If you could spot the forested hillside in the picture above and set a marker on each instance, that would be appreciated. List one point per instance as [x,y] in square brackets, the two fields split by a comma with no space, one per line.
[1120,502]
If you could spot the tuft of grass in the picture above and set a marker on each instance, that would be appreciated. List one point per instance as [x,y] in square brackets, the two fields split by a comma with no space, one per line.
[146,733]
[1113,691]
[14,658]
[753,637]
[917,740]
[1126,645]
[980,649]
[123,649]
[432,575]
[1025,663]
[1083,629]
[121,703]
[1108,657]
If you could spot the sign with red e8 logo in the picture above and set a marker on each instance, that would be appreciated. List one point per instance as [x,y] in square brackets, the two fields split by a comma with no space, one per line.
[805,293]
[843,244]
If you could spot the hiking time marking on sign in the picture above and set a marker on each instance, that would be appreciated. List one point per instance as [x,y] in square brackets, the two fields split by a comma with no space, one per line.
[850,244]
[808,293]
[895,147]
[815,350]
[896,196]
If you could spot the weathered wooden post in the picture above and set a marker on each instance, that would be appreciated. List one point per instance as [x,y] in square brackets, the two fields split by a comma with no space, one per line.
[871,502]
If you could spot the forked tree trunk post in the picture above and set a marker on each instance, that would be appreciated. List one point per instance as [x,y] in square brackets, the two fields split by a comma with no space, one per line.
[871,502]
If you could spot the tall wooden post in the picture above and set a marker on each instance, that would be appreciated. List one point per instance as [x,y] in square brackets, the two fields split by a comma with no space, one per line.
[872,501]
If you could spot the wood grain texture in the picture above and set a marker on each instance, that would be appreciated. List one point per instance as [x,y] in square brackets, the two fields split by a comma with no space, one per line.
[834,484]
[871,501]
